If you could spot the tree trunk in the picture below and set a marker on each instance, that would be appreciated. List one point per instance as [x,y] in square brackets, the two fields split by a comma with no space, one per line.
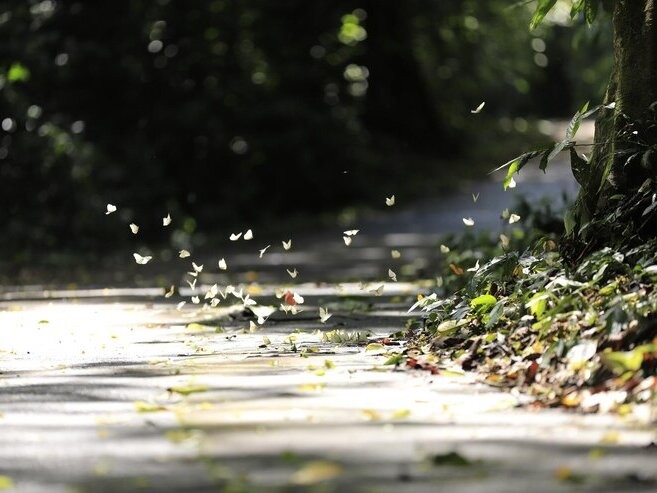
[633,88]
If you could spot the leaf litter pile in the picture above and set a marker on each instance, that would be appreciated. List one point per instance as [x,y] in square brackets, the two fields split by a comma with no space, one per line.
[582,337]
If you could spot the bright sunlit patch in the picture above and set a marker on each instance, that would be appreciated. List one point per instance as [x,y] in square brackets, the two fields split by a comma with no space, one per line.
[166,220]
[142,260]
[222,264]
[293,273]
[390,201]
[248,235]
[287,244]
[468,221]
[478,108]
[183,254]
[134,228]
[110,208]
[235,236]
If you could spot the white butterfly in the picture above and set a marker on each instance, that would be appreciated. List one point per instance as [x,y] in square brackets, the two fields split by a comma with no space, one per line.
[110,208]
[235,236]
[214,302]
[212,292]
[324,315]
[514,218]
[287,244]
[169,293]
[475,197]
[392,275]
[248,235]
[197,268]
[166,220]
[390,201]
[252,327]
[351,232]
[262,252]
[377,291]
[475,268]
[183,254]
[395,254]
[347,240]
[298,298]
[293,273]
[142,260]
[478,108]
[134,228]
[192,284]
[512,183]
[444,249]
[468,221]
[222,264]
[180,305]
[196,300]
[504,239]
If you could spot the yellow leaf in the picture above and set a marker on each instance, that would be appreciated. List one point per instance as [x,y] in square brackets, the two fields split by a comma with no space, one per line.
[316,472]
[401,414]
[148,407]
[188,389]
[6,483]
[371,415]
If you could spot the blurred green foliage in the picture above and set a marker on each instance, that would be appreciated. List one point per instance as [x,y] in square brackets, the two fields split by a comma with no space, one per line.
[226,112]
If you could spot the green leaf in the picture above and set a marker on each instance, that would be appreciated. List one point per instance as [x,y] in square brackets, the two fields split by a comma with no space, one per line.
[513,169]
[543,7]
[537,304]
[18,73]
[577,7]
[580,168]
[375,346]
[450,459]
[590,10]
[484,299]
[573,126]
[396,359]
[495,314]
[622,361]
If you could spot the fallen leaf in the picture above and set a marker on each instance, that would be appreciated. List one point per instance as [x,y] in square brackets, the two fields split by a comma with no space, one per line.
[316,472]
[450,459]
[148,407]
[187,389]
[375,346]
[456,270]
[6,483]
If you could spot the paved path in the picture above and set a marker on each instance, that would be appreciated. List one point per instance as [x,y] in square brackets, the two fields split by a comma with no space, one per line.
[117,390]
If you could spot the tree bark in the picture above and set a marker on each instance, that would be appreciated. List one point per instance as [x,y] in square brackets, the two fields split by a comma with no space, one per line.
[632,87]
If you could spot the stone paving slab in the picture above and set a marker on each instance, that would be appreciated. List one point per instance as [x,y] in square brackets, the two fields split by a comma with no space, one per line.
[127,396]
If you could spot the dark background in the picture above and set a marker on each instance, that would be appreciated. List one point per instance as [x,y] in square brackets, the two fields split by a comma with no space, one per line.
[233,113]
